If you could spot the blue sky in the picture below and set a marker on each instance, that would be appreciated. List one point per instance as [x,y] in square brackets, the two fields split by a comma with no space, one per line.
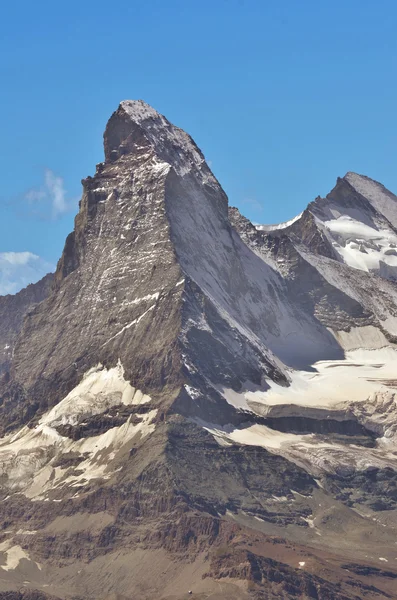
[282,97]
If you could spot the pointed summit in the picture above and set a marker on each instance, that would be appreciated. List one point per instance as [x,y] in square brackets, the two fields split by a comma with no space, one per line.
[376,193]
[135,125]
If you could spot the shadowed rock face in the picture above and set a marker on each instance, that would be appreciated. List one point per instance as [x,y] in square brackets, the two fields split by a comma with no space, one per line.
[13,309]
[186,405]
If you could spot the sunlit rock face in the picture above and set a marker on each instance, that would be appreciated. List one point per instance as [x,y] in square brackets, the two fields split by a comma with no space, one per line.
[196,403]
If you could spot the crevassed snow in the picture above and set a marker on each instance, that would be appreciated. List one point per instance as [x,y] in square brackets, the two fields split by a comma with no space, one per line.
[363,385]
[304,450]
[353,379]
[361,246]
[312,452]
[332,385]
[349,228]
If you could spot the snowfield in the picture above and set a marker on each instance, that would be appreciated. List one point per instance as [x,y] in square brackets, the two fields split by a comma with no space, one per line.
[331,383]
[28,458]
[362,387]
[361,246]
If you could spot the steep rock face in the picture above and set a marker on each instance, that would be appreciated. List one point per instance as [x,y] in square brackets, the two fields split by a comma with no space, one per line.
[245,292]
[152,219]
[118,275]
[315,255]
[309,286]
[13,309]
[193,382]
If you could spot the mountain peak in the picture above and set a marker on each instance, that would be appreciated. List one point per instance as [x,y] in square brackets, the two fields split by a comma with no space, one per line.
[355,178]
[139,110]
[376,193]
[136,125]
[364,185]
[351,175]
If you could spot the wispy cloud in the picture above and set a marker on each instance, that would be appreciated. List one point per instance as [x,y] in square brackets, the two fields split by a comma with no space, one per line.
[50,199]
[18,269]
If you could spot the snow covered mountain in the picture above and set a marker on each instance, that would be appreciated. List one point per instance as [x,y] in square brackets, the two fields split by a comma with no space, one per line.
[200,404]
[359,217]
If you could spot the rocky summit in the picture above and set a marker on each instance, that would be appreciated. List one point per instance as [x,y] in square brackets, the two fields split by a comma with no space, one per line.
[197,406]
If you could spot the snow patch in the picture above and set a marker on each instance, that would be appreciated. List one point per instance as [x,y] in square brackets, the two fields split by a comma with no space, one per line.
[193,392]
[256,435]
[333,382]
[279,225]
[27,457]
[13,556]
[99,389]
[361,246]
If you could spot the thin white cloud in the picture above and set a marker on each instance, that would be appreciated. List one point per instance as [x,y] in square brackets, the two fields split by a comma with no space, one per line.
[55,187]
[18,269]
[51,197]
[16,258]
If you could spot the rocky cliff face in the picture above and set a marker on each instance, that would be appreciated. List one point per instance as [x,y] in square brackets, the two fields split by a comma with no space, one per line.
[199,403]
[13,309]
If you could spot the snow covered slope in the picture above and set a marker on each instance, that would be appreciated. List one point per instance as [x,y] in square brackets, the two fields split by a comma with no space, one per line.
[31,460]
[358,218]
